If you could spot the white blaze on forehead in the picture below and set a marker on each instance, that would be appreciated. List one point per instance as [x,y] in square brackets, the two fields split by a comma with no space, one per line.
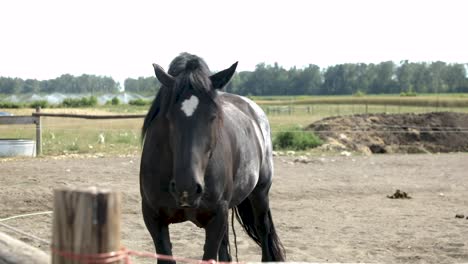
[190,105]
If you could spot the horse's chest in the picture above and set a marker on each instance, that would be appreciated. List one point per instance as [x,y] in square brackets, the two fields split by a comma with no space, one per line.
[199,217]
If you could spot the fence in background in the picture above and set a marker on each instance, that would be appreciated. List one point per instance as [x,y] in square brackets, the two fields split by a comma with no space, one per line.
[35,118]
[302,115]
[348,109]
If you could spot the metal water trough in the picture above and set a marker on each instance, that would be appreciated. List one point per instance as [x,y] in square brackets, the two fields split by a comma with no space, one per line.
[17,147]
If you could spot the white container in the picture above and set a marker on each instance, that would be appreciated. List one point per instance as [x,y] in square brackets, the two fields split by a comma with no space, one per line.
[17,147]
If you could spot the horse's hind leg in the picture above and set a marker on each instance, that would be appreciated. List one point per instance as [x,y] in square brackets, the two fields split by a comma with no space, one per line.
[159,232]
[272,249]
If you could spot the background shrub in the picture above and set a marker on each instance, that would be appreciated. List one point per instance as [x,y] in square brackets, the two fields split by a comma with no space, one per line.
[139,102]
[359,93]
[296,140]
[10,105]
[113,101]
[40,103]
[80,102]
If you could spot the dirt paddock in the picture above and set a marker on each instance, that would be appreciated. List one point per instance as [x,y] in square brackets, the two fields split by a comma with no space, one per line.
[333,209]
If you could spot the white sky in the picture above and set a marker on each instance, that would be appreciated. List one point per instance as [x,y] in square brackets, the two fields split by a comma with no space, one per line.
[43,39]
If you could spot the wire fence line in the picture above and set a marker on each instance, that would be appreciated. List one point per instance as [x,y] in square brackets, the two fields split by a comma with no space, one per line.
[19,231]
[361,128]
[346,109]
[358,129]
[16,230]
[25,215]
[322,123]
[367,131]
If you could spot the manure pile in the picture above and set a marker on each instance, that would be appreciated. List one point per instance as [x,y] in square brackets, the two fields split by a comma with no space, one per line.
[395,133]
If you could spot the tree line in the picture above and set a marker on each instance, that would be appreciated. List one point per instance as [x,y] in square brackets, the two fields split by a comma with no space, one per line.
[66,83]
[343,79]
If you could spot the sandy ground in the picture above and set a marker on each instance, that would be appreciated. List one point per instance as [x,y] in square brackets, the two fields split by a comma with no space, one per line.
[333,209]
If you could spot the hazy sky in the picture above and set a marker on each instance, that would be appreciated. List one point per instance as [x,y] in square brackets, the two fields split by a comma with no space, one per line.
[44,39]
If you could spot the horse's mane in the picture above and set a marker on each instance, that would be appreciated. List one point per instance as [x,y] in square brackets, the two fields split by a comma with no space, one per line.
[190,71]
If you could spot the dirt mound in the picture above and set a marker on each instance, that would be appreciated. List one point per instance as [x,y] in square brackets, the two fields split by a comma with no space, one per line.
[395,133]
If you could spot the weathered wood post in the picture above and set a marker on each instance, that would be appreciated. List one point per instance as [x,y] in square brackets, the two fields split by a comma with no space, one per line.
[16,251]
[38,133]
[85,222]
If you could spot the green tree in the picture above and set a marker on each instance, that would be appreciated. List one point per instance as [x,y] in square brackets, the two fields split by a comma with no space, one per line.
[31,86]
[142,85]
[405,76]
[384,78]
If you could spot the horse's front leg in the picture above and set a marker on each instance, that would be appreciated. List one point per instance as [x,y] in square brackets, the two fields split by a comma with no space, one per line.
[223,252]
[159,232]
[215,231]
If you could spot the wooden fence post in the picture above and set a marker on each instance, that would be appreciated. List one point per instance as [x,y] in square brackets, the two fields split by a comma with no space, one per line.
[38,133]
[85,221]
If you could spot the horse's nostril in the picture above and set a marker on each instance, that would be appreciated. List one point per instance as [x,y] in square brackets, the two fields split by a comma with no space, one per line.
[172,187]
[199,189]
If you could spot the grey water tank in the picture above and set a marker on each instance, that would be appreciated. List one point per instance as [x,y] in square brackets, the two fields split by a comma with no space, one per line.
[17,147]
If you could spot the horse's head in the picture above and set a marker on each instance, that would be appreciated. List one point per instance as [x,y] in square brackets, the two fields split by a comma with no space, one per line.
[194,117]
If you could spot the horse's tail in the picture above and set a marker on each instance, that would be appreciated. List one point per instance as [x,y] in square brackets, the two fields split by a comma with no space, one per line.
[245,216]
[276,248]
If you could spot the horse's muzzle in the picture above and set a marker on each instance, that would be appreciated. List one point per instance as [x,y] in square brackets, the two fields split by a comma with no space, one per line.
[183,200]
[187,202]
[187,199]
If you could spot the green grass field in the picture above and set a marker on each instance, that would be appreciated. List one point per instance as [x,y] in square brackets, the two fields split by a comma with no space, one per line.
[67,135]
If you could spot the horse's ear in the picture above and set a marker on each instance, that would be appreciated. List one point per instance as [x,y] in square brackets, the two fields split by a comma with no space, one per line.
[165,78]
[220,79]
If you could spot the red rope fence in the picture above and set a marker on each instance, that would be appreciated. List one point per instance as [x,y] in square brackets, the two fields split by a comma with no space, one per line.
[125,254]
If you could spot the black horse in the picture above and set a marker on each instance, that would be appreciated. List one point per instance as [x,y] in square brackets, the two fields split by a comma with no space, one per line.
[205,152]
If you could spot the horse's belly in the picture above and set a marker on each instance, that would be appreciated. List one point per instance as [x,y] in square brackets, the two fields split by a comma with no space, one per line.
[245,181]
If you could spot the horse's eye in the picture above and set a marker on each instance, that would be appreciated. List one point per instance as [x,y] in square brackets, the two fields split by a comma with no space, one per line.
[212,118]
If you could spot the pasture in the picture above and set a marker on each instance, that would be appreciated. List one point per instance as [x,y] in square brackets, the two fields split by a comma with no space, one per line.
[332,209]
[62,136]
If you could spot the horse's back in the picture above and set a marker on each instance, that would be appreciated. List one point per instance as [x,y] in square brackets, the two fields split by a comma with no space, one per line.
[254,112]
